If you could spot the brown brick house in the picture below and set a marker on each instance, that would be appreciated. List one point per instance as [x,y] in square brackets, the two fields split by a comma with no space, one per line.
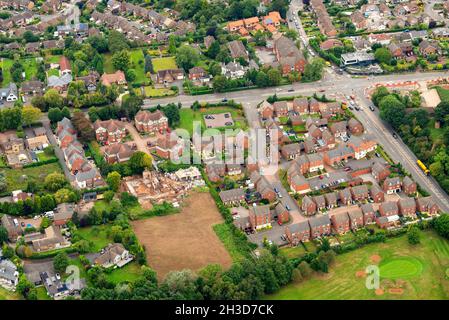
[260,217]
[407,207]
[355,127]
[388,208]
[291,151]
[233,196]
[117,152]
[345,196]
[356,219]
[331,200]
[266,110]
[377,194]
[409,186]
[288,55]
[320,202]
[340,222]
[360,193]
[427,205]
[151,122]
[281,213]
[308,206]
[368,213]
[301,105]
[392,185]
[320,226]
[109,131]
[380,172]
[298,232]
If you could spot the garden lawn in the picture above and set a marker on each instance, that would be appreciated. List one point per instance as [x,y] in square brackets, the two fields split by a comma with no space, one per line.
[422,268]
[30,67]
[443,93]
[164,64]
[162,92]
[6,65]
[131,272]
[43,157]
[53,72]
[108,67]
[52,59]
[8,295]
[18,178]
[97,235]
[137,63]
[42,293]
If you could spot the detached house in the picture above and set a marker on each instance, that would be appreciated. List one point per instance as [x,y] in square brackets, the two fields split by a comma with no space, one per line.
[151,122]
[360,193]
[266,110]
[64,66]
[427,205]
[388,208]
[407,207]
[291,151]
[199,75]
[118,78]
[427,48]
[260,217]
[380,172]
[377,194]
[308,206]
[409,186]
[113,255]
[109,131]
[117,153]
[392,185]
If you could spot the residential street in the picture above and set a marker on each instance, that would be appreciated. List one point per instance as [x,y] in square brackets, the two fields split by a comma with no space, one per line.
[333,84]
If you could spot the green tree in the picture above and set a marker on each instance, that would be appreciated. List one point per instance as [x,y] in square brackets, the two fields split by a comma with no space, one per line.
[30,115]
[314,71]
[171,111]
[392,110]
[55,181]
[3,234]
[413,235]
[187,57]
[117,41]
[55,115]
[383,55]
[61,262]
[378,94]
[113,180]
[140,161]
[274,77]
[121,60]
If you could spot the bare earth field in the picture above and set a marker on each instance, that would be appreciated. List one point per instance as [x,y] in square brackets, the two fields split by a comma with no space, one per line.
[184,240]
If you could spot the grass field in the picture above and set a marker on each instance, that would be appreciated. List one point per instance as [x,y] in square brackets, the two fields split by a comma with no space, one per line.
[18,178]
[107,63]
[6,65]
[153,92]
[164,64]
[225,234]
[52,59]
[443,93]
[130,273]
[53,72]
[422,269]
[137,63]
[8,295]
[188,116]
[98,235]
[42,294]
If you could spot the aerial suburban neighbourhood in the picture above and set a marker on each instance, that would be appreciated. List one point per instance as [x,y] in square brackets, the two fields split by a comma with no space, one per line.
[224,149]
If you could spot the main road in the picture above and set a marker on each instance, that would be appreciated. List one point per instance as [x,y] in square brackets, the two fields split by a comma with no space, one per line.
[334,84]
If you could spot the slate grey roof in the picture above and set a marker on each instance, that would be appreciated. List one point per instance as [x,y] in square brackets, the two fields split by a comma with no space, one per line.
[319,221]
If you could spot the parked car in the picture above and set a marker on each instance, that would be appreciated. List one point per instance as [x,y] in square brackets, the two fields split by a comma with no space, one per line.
[395,135]
[287,207]
[371,107]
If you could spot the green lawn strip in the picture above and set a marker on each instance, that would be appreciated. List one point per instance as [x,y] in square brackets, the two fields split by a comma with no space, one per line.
[52,72]
[231,243]
[443,93]
[108,67]
[98,235]
[137,63]
[30,67]
[158,92]
[43,157]
[42,293]
[164,63]
[18,178]
[52,59]
[6,65]
[130,273]
[8,295]
[422,267]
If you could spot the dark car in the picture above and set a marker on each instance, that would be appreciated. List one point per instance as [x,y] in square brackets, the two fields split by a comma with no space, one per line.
[395,135]
[371,107]
[291,90]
